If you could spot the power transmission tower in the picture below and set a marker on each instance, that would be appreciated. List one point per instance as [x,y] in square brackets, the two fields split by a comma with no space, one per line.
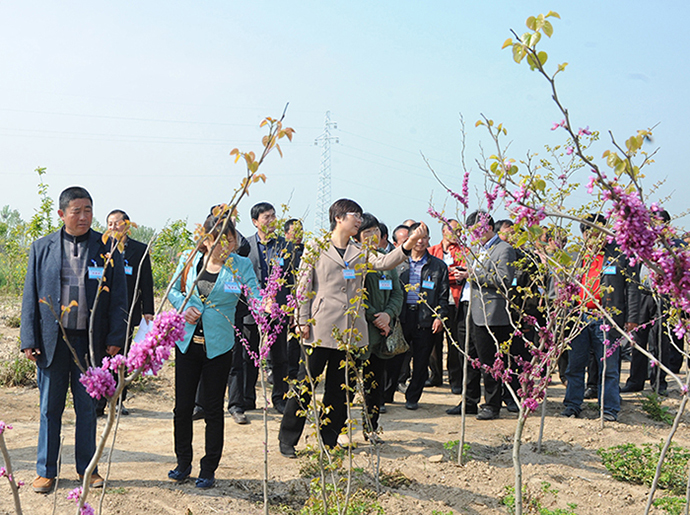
[323,201]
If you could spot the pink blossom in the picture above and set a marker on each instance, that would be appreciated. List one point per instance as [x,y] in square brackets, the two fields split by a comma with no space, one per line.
[75,495]
[590,184]
[569,150]
[584,132]
[4,426]
[556,125]
[98,382]
[149,354]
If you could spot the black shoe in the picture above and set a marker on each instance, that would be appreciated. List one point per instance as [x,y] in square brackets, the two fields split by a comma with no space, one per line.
[402,388]
[512,407]
[433,382]
[287,450]
[570,413]
[610,417]
[456,390]
[630,388]
[198,413]
[239,417]
[280,406]
[179,475]
[123,411]
[487,413]
[383,409]
[591,393]
[471,409]
[411,405]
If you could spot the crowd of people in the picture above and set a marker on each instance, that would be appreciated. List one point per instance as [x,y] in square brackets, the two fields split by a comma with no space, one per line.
[424,295]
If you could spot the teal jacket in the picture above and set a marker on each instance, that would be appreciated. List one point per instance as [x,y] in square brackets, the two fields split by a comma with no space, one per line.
[378,300]
[218,312]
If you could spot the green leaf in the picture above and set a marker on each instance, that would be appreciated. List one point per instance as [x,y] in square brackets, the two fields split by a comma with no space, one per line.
[562,66]
[612,160]
[531,23]
[493,166]
[534,39]
[548,28]
[522,240]
[554,14]
[564,258]
[620,167]
[540,184]
[532,62]
[518,53]
[507,43]
[513,170]
[542,57]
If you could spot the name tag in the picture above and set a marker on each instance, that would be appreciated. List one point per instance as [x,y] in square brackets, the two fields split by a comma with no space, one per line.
[128,270]
[95,272]
[232,287]
[514,283]
[609,270]
[281,261]
[428,285]
[385,284]
[348,273]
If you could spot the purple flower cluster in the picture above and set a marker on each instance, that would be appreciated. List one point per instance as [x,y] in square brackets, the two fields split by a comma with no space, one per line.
[556,125]
[75,495]
[464,197]
[4,426]
[155,348]
[271,321]
[99,382]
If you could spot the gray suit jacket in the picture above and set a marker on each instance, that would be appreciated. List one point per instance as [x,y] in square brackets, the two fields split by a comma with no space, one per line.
[493,275]
[39,329]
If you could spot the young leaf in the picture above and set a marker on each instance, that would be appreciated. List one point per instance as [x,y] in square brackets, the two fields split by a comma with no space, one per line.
[548,28]
[507,43]
[554,14]
[531,23]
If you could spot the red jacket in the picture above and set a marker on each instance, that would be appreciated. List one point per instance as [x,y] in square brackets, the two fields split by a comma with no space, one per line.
[458,254]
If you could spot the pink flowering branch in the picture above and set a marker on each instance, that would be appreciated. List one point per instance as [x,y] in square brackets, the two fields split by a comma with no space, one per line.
[6,471]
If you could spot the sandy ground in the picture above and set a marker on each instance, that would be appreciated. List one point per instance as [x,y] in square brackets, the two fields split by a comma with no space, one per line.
[413,447]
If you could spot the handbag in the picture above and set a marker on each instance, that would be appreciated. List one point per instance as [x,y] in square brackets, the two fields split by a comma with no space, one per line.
[395,342]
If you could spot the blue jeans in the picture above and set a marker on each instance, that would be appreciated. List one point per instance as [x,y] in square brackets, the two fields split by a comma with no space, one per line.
[52,385]
[592,337]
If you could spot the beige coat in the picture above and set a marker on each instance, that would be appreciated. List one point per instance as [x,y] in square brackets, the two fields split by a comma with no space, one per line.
[332,294]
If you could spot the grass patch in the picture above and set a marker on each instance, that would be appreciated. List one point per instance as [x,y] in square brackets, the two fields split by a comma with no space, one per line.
[651,405]
[18,371]
[533,502]
[395,479]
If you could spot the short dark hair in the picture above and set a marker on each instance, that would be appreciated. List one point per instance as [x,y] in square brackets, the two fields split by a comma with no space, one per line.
[292,221]
[260,208]
[663,215]
[502,223]
[414,226]
[473,218]
[399,227]
[125,216]
[368,221]
[384,230]
[340,208]
[73,193]
[592,218]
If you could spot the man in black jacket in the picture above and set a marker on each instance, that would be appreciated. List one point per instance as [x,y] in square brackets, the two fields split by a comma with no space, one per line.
[137,263]
[610,282]
[428,278]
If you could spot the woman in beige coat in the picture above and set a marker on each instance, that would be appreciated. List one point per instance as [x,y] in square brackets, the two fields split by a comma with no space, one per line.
[327,284]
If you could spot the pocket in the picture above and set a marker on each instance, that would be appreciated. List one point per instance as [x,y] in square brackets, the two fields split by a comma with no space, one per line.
[316,306]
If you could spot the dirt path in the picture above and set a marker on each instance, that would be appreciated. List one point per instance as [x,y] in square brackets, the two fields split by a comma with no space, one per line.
[413,446]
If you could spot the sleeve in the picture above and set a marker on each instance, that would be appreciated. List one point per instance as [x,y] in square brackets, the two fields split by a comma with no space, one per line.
[395,301]
[632,294]
[387,261]
[443,292]
[30,320]
[305,283]
[176,297]
[498,273]
[146,285]
[248,278]
[117,323]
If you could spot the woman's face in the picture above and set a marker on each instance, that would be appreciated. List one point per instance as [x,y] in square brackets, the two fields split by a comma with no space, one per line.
[370,236]
[227,245]
[350,223]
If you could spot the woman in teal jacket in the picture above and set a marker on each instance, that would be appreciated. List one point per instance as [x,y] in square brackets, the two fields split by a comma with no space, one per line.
[205,352]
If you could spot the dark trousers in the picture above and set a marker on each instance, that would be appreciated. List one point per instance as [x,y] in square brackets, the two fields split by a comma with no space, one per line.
[483,347]
[294,354]
[191,368]
[334,395]
[455,359]
[421,341]
[244,373]
[436,358]
[373,373]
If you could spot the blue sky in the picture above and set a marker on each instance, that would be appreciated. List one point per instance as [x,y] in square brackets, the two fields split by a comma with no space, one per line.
[141,102]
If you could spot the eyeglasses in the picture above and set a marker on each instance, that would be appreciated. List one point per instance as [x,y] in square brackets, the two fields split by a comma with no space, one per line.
[358,216]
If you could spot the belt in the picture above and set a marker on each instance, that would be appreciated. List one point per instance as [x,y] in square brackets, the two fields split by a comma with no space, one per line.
[199,339]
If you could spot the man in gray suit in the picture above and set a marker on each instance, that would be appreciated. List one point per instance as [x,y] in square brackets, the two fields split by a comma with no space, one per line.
[65,268]
[491,274]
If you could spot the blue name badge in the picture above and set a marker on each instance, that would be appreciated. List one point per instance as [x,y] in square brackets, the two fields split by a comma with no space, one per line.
[128,270]
[348,273]
[385,284]
[428,285]
[514,283]
[609,270]
[281,261]
[232,287]
[95,272]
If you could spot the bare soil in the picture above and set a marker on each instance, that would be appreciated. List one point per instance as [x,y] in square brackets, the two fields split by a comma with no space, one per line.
[413,449]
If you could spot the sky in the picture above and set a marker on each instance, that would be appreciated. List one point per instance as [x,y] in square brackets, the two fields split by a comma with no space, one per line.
[142,102]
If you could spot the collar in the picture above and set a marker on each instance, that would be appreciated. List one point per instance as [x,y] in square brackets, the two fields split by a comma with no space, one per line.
[422,259]
[491,242]
[75,239]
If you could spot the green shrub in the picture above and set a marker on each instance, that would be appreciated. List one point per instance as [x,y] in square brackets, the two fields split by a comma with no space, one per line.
[451,447]
[18,371]
[671,505]
[628,462]
[362,501]
[651,404]
[532,501]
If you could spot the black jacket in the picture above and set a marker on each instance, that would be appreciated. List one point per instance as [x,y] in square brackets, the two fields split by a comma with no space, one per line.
[135,253]
[434,270]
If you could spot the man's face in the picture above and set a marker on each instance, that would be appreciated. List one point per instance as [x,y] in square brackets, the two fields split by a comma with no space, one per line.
[370,236]
[117,225]
[505,232]
[401,237]
[266,222]
[77,217]
[295,233]
[422,244]
[449,233]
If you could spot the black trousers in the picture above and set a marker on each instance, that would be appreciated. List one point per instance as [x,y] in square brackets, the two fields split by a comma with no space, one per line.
[436,358]
[483,347]
[455,360]
[192,368]
[334,395]
[374,376]
[421,341]
[244,373]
